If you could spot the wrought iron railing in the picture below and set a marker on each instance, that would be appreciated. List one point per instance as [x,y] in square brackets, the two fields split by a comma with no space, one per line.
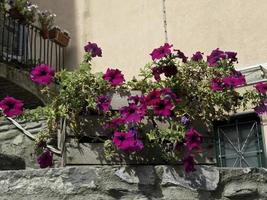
[22,44]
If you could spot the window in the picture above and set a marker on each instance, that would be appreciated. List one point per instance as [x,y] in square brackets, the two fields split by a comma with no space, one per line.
[239,142]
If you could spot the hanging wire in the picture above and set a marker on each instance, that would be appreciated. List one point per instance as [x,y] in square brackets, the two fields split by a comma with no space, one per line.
[165,20]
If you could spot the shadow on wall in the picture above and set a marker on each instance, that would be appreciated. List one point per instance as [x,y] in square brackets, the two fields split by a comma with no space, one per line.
[66,12]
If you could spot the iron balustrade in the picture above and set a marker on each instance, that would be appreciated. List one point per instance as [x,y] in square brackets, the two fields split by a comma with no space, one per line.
[24,46]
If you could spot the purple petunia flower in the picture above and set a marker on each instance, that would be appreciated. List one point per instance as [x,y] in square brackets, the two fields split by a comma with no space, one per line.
[185,120]
[189,164]
[135,145]
[231,56]
[262,88]
[163,108]
[216,84]
[93,49]
[181,55]
[137,100]
[153,97]
[261,109]
[169,70]
[126,141]
[161,52]
[234,80]
[103,103]
[42,74]
[167,93]
[157,71]
[193,139]
[115,123]
[215,56]
[132,113]
[197,56]
[45,159]
[11,107]
[114,77]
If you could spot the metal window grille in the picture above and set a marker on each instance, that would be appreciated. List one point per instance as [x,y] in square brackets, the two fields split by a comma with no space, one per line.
[239,143]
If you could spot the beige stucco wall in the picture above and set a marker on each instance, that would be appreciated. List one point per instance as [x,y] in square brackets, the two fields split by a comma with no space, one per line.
[128,30]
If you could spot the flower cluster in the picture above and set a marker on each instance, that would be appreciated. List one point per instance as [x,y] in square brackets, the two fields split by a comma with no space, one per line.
[234,80]
[127,141]
[163,115]
[218,55]
[261,109]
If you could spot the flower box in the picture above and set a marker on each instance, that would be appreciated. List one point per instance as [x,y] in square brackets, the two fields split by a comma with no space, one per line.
[59,37]
[85,152]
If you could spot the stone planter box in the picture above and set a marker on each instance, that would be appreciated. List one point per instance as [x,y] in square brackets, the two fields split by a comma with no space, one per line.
[87,152]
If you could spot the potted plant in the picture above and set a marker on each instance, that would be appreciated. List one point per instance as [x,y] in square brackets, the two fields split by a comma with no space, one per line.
[46,20]
[16,9]
[60,37]
[158,122]
[22,10]
[30,12]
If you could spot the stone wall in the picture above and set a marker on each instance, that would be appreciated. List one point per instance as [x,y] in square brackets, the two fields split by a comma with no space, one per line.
[13,142]
[129,182]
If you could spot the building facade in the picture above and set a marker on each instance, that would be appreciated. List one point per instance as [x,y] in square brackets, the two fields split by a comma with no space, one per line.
[128,31]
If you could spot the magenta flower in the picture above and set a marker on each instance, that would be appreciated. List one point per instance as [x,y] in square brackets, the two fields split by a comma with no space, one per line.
[181,56]
[262,88]
[42,74]
[11,107]
[115,123]
[93,49]
[234,81]
[157,71]
[127,141]
[197,56]
[45,159]
[135,145]
[215,56]
[132,113]
[169,70]
[153,97]
[261,109]
[161,52]
[137,100]
[231,56]
[103,103]
[189,164]
[163,108]
[193,139]
[167,93]
[216,84]
[114,77]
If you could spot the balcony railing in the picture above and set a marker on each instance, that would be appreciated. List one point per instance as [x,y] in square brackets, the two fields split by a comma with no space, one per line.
[23,45]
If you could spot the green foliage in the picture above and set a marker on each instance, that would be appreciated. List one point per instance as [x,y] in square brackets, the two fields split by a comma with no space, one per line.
[78,92]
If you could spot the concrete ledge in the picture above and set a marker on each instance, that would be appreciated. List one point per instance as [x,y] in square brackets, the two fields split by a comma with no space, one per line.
[133,182]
